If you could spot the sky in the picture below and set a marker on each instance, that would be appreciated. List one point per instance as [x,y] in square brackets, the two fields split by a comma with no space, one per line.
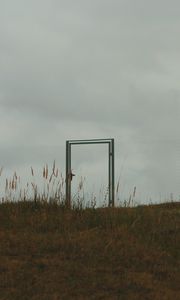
[92,69]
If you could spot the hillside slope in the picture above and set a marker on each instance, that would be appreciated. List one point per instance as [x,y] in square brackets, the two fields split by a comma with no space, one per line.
[48,252]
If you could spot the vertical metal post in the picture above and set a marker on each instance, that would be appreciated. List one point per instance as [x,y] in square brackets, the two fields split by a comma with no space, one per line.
[111,172]
[68,174]
[113,182]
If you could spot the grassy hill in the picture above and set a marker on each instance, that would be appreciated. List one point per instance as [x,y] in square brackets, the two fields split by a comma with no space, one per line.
[49,252]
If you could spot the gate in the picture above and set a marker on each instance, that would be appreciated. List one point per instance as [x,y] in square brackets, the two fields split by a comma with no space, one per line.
[111,177]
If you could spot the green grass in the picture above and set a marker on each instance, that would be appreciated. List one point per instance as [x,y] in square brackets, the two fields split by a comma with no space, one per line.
[49,252]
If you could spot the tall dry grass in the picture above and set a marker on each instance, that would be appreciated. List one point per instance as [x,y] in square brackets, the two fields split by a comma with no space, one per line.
[52,188]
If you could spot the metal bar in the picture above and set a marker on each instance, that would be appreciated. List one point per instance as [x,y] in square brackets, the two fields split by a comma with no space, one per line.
[67,166]
[68,174]
[113,175]
[109,172]
[85,142]
[66,170]
[108,139]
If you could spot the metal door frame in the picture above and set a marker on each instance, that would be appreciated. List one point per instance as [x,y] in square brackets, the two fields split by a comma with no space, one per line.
[111,177]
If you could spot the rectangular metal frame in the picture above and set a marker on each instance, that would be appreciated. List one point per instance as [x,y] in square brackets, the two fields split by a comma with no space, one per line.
[111,177]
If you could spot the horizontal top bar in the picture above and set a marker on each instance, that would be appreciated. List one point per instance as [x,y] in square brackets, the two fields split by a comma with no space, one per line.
[91,141]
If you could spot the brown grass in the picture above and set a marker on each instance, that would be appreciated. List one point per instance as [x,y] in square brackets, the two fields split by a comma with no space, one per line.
[53,186]
[49,252]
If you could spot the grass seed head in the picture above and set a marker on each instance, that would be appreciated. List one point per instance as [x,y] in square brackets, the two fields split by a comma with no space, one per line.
[32,171]
[1,169]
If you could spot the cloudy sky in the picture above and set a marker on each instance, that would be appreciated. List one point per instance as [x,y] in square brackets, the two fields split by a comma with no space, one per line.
[93,69]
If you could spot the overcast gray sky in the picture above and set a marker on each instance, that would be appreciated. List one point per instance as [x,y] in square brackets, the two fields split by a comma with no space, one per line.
[93,69]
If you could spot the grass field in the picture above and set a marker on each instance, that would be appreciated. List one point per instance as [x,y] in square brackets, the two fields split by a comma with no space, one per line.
[49,252]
